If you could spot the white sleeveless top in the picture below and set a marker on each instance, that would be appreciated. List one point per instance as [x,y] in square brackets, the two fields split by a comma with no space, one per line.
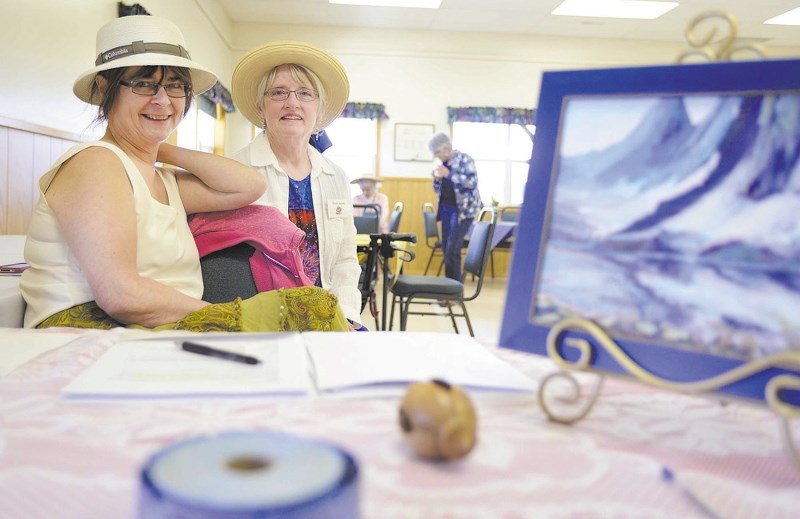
[166,250]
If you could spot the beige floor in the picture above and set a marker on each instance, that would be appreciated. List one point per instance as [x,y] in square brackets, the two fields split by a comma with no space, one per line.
[485,312]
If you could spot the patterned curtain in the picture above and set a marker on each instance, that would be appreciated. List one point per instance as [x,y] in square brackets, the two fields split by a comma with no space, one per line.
[491,114]
[216,95]
[365,111]
[129,10]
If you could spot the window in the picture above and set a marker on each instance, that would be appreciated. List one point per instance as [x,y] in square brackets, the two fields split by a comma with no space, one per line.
[197,130]
[501,153]
[355,146]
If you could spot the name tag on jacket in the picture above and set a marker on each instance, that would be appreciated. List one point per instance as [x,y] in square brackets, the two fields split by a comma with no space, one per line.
[336,208]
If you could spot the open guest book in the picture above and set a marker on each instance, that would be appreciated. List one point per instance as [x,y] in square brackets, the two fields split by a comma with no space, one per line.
[293,364]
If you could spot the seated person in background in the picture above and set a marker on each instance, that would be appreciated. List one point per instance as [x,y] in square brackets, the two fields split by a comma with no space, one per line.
[371,195]
[109,243]
[293,90]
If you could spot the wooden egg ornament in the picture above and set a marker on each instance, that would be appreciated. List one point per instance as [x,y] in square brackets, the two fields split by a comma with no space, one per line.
[438,420]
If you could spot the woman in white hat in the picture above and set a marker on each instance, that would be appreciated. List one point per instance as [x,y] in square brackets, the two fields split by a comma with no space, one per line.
[109,243]
[370,195]
[293,90]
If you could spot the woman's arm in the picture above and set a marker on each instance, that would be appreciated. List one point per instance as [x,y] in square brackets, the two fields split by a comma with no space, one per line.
[92,199]
[212,182]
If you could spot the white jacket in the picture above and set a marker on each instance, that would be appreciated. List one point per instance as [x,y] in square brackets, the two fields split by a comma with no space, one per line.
[333,210]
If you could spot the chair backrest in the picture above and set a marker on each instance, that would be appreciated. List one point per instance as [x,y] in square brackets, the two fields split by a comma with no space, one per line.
[431,227]
[480,248]
[402,254]
[397,214]
[367,218]
[227,274]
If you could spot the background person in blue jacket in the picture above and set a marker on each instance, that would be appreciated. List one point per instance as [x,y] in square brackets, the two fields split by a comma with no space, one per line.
[456,183]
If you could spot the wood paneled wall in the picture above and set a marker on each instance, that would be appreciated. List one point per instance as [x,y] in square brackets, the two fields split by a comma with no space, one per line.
[413,192]
[26,153]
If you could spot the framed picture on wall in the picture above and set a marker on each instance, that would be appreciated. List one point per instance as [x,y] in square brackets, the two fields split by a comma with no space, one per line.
[659,227]
[411,142]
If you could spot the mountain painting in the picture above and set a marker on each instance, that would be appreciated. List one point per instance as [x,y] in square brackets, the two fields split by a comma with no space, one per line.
[676,220]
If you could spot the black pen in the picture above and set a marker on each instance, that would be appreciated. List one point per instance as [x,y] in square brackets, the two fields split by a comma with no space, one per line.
[201,349]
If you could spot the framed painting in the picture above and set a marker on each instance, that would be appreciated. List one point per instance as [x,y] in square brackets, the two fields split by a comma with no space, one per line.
[659,236]
[411,142]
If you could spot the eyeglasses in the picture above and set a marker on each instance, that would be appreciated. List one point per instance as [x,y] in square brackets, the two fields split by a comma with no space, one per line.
[146,88]
[304,95]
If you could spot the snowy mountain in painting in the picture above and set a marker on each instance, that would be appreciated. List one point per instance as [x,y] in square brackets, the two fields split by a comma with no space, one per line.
[728,183]
[684,231]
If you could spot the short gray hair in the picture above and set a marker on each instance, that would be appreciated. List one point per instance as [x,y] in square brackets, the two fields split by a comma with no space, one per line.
[437,141]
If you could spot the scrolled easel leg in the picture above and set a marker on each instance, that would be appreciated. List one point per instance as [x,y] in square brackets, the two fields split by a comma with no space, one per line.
[580,405]
[785,411]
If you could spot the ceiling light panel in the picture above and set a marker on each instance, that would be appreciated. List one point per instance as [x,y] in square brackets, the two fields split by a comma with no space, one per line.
[422,4]
[637,9]
[788,18]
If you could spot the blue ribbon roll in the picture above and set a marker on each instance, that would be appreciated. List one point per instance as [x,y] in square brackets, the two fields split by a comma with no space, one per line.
[249,475]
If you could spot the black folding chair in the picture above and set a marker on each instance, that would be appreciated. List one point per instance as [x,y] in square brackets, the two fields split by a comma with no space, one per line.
[432,238]
[434,290]
[397,215]
[368,218]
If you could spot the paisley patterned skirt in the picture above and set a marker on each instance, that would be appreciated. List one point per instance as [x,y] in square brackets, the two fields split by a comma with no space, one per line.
[289,309]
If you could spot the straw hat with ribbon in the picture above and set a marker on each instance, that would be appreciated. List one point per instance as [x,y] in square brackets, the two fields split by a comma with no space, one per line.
[260,61]
[140,41]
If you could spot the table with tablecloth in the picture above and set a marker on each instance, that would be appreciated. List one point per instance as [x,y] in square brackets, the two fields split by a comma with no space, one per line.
[503,234]
[80,459]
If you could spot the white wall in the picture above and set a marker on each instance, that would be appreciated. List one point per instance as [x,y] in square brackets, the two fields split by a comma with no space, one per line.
[46,44]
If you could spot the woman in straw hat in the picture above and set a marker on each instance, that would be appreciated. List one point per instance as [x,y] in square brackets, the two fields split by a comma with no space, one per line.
[109,243]
[371,195]
[293,90]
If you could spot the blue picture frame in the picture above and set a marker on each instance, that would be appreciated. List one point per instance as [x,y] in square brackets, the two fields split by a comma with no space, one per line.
[608,142]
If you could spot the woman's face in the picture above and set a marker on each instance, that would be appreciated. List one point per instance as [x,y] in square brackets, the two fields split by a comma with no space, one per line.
[444,153]
[289,118]
[146,118]
[367,187]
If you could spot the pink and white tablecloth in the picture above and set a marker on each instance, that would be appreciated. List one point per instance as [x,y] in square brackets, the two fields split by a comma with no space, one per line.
[80,459]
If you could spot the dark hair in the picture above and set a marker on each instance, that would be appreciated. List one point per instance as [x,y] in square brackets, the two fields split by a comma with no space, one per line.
[114,75]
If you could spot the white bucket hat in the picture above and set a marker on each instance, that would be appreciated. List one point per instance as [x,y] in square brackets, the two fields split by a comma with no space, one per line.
[258,62]
[141,41]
